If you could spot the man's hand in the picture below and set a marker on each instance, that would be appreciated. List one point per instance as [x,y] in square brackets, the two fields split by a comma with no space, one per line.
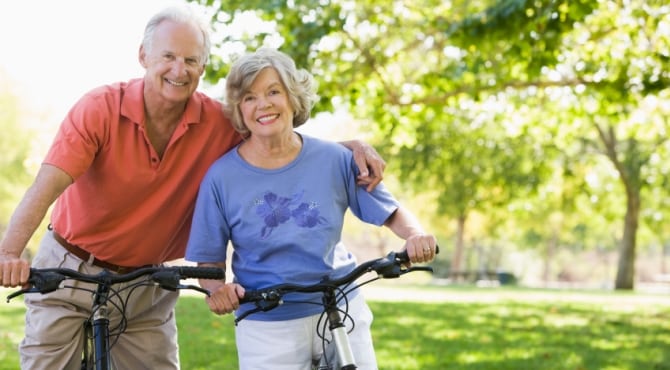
[369,162]
[14,271]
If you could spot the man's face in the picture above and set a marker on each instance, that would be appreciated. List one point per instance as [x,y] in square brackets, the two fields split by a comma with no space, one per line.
[174,62]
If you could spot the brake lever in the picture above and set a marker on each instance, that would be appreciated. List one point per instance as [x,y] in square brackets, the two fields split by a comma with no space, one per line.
[196,288]
[22,291]
[247,313]
[396,269]
[418,268]
[42,282]
[390,269]
[268,301]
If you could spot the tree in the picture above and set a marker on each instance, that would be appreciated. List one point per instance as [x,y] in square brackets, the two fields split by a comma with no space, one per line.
[15,148]
[446,82]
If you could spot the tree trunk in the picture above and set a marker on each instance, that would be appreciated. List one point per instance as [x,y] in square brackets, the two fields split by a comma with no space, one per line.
[664,249]
[629,172]
[548,257]
[458,250]
[626,273]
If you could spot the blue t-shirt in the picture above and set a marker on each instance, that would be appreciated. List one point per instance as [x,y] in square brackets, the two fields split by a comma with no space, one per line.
[284,224]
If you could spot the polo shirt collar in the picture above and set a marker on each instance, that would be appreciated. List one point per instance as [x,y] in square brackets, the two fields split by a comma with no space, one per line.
[134,93]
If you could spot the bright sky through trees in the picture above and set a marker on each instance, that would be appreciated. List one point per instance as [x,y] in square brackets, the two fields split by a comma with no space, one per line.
[54,51]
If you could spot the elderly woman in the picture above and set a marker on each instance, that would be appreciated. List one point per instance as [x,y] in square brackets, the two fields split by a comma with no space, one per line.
[280,198]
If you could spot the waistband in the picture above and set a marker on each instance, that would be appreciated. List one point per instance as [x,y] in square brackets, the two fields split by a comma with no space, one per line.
[90,258]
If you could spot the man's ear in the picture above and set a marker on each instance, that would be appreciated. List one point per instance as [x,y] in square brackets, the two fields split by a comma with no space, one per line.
[142,56]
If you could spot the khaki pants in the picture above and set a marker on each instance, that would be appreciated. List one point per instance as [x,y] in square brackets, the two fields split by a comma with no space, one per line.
[54,334]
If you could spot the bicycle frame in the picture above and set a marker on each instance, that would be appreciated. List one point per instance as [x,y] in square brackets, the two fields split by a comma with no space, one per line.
[340,337]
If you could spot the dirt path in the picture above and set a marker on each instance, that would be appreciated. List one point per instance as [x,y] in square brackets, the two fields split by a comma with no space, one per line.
[386,292]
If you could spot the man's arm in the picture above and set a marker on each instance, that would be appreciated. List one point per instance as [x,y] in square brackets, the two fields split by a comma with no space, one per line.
[370,164]
[49,183]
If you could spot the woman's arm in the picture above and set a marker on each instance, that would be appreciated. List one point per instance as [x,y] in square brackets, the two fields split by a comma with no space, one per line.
[420,246]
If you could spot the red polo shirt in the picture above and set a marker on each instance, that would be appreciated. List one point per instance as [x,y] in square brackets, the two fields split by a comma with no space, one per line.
[127,206]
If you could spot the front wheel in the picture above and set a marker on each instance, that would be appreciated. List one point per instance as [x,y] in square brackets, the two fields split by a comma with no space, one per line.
[328,359]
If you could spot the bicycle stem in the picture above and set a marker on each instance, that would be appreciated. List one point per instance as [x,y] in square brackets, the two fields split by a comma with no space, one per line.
[101,328]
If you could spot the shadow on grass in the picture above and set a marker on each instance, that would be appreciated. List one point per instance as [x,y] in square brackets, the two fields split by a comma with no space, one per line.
[471,336]
[516,336]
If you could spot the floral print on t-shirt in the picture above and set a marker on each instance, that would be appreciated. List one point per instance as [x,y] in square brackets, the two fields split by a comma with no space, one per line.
[276,210]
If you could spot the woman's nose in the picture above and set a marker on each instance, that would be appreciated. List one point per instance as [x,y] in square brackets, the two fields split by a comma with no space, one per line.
[264,103]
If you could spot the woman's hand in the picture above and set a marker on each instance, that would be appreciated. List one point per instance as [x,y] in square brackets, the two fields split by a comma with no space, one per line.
[224,298]
[421,248]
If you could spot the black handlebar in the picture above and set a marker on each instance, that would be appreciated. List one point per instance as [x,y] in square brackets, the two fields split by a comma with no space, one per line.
[168,277]
[388,267]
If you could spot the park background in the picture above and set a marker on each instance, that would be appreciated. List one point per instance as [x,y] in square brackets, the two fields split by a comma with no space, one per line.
[530,136]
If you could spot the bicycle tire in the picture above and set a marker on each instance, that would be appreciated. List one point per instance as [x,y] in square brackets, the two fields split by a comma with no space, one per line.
[328,360]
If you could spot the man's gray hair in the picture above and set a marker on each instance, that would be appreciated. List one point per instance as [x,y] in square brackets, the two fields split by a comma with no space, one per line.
[179,14]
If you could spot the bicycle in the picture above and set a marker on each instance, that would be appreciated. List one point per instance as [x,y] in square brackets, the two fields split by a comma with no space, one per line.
[337,353]
[99,337]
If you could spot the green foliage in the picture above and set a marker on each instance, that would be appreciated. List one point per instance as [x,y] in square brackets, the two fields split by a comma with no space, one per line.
[513,40]
[387,63]
[15,148]
[498,106]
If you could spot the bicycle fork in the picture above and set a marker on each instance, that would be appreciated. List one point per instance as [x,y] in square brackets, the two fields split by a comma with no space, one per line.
[98,333]
[339,333]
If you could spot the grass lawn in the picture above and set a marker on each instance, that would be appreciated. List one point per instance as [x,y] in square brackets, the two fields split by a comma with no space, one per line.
[462,328]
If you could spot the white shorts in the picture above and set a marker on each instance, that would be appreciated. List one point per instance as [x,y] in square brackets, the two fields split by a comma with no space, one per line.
[293,344]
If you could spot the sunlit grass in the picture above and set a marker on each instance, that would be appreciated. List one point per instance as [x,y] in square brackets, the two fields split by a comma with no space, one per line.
[512,333]
[11,330]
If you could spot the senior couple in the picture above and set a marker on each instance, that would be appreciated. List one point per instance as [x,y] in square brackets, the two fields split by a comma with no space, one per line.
[151,170]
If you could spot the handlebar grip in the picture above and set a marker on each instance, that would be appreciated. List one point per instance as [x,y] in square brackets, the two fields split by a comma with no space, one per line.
[402,256]
[251,296]
[212,273]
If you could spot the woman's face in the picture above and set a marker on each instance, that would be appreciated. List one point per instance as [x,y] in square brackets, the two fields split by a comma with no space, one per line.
[265,107]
